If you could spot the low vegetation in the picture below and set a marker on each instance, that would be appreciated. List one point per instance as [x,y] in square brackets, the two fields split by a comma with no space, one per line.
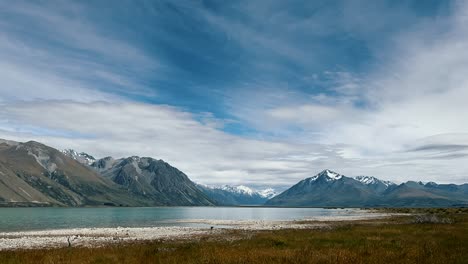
[428,236]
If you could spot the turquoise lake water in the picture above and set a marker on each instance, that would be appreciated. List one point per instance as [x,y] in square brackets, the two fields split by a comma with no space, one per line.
[22,219]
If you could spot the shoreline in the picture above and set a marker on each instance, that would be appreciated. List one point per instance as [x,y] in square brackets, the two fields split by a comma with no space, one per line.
[91,237]
[101,236]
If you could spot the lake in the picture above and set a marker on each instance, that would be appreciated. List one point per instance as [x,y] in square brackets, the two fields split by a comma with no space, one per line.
[25,219]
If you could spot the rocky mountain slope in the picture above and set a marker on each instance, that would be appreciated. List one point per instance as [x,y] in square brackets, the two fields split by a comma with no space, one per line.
[329,188]
[153,180]
[34,174]
[237,195]
[81,157]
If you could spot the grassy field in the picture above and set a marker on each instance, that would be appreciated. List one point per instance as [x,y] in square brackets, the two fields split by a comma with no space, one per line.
[438,236]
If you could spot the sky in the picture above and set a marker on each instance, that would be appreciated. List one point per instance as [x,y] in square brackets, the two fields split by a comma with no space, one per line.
[261,93]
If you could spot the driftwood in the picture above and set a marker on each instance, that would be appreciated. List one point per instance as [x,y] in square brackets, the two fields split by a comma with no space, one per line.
[70,240]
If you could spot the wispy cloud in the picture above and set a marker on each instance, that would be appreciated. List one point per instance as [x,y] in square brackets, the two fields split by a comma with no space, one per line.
[415,93]
[205,153]
[311,85]
[440,148]
[51,51]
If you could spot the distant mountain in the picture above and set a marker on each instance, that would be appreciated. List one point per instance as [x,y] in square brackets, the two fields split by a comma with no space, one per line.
[153,180]
[268,193]
[237,195]
[81,157]
[33,174]
[414,194]
[377,185]
[329,188]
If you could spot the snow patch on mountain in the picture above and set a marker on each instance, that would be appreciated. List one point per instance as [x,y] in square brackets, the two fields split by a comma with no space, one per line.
[241,189]
[81,157]
[328,175]
[366,179]
[244,190]
[372,180]
[333,175]
[268,193]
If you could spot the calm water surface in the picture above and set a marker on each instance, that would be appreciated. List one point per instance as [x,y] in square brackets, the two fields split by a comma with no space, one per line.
[22,219]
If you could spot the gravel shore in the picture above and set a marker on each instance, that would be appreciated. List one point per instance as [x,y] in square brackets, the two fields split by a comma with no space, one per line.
[95,237]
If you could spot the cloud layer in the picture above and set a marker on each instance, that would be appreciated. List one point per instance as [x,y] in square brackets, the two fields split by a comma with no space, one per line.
[263,102]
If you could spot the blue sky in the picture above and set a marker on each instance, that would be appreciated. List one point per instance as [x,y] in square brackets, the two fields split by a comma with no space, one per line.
[262,92]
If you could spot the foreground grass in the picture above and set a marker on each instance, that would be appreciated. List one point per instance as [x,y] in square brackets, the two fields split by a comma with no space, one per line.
[398,240]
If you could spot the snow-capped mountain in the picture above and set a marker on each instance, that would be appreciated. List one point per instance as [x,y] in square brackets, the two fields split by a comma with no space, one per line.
[237,195]
[329,188]
[81,157]
[242,189]
[374,183]
[328,175]
[268,193]
[136,181]
[372,180]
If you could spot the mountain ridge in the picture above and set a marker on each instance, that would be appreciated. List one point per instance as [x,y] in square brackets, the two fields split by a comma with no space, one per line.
[237,195]
[153,179]
[329,188]
[33,174]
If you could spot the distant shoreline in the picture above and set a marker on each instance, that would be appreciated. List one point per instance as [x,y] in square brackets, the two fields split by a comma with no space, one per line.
[383,207]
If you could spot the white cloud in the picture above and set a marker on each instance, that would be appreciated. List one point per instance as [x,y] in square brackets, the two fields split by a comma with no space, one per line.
[68,59]
[206,154]
[403,121]
[304,114]
[124,129]
[413,98]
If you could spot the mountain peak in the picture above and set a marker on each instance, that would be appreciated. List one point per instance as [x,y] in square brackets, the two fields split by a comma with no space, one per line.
[369,180]
[242,189]
[81,157]
[331,174]
[268,193]
[8,142]
[328,175]
[237,194]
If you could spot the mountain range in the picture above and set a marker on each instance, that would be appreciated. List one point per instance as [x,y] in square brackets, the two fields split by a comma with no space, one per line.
[146,177]
[237,195]
[151,179]
[331,189]
[33,174]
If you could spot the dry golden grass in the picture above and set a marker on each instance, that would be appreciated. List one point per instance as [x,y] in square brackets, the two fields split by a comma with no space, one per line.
[398,240]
